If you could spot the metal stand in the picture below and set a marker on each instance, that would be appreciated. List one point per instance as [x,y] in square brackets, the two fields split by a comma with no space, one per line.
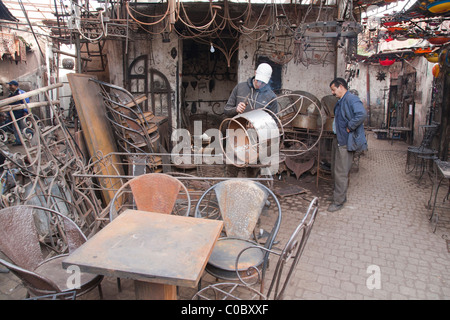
[443,168]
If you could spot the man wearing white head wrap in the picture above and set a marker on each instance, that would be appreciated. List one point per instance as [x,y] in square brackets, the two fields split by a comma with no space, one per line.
[255,93]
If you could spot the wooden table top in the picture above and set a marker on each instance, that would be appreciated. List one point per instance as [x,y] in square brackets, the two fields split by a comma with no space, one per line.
[147,246]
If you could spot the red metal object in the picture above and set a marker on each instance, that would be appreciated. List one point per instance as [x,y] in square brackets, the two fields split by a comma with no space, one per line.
[387,62]
[155,192]
[390,23]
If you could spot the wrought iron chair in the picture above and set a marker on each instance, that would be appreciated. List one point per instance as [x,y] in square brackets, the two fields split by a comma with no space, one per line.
[133,128]
[417,156]
[287,262]
[36,240]
[239,203]
[155,192]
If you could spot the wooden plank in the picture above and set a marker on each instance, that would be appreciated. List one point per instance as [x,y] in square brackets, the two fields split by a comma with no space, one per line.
[96,130]
[154,291]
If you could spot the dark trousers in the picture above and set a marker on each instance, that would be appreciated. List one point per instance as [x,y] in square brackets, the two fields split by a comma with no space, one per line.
[341,165]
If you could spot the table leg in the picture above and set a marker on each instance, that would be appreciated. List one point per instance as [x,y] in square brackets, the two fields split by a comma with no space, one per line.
[434,215]
[154,291]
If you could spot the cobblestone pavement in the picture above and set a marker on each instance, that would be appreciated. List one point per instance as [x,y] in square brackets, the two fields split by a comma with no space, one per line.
[379,246]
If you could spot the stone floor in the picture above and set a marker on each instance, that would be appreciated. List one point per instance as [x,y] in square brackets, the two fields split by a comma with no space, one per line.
[379,246]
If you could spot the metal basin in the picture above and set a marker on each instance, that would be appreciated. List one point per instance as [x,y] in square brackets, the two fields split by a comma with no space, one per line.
[305,121]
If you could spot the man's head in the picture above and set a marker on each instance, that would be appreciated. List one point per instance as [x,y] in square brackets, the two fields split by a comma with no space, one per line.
[262,75]
[13,85]
[338,87]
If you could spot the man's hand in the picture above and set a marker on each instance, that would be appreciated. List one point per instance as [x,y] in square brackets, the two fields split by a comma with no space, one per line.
[240,107]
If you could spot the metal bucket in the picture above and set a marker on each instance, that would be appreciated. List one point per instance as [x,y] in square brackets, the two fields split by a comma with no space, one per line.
[253,133]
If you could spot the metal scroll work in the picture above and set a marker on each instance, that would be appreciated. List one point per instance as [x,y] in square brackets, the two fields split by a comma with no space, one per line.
[40,170]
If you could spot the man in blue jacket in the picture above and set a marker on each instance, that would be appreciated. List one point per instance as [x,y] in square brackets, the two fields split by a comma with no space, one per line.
[349,116]
[19,113]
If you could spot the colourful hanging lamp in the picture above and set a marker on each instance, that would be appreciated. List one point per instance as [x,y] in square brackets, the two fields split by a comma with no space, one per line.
[439,6]
[438,40]
[432,57]
[435,70]
[390,23]
[386,62]
[422,51]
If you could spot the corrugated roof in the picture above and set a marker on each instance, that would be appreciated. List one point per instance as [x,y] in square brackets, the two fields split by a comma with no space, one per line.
[37,10]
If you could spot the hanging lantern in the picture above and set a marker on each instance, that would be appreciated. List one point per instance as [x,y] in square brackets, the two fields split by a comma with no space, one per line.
[438,40]
[387,62]
[435,70]
[396,29]
[439,6]
[373,23]
[390,23]
[432,57]
[422,51]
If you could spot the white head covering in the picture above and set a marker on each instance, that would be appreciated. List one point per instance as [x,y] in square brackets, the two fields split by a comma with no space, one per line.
[263,72]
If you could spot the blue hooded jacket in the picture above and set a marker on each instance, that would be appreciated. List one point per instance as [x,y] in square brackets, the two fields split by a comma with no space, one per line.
[350,113]
[19,113]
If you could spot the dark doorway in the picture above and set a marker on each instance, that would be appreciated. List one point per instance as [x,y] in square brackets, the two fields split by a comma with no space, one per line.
[275,81]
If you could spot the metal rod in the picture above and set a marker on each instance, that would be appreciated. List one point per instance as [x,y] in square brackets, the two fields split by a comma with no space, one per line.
[8,101]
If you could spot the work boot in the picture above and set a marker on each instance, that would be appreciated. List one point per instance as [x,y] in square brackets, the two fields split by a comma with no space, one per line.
[331,199]
[335,207]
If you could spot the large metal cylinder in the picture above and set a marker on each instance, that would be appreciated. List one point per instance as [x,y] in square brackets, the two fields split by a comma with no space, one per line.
[253,135]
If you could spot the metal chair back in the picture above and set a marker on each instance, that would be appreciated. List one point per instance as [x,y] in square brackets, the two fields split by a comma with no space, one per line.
[154,192]
[292,252]
[241,203]
[30,237]
[19,239]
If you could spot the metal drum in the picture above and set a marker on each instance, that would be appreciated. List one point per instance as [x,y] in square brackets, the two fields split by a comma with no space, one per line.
[328,103]
[309,111]
[251,134]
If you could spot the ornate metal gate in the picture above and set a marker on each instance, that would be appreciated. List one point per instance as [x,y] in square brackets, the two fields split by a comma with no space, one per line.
[156,87]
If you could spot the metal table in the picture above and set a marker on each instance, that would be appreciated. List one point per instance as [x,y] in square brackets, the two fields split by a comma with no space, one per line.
[443,171]
[158,251]
[400,130]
